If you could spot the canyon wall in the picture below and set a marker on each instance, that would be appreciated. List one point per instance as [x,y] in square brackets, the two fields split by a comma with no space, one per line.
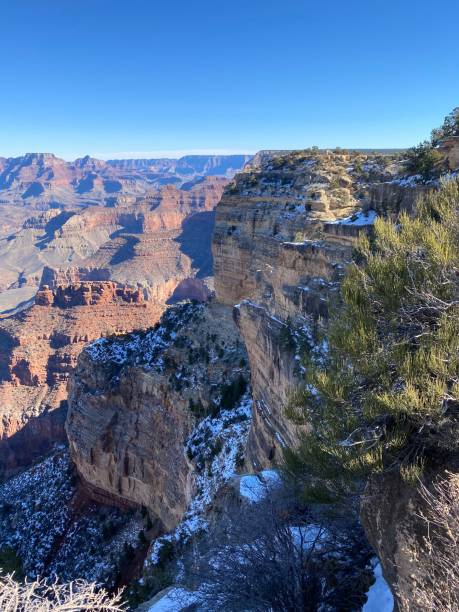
[38,349]
[404,530]
[135,400]
[284,231]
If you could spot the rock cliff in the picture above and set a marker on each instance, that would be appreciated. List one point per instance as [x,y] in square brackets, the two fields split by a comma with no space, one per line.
[402,526]
[284,231]
[135,400]
[38,349]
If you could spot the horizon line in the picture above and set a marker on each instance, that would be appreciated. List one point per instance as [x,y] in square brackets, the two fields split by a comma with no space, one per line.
[126,155]
[171,153]
[179,153]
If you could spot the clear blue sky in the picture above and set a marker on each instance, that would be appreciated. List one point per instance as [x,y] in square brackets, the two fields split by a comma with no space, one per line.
[114,77]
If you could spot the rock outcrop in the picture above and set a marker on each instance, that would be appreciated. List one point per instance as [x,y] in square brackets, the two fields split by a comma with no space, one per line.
[145,241]
[93,293]
[134,401]
[285,229]
[400,524]
[39,348]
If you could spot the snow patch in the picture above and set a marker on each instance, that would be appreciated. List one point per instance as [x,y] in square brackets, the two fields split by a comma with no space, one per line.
[174,600]
[407,181]
[255,487]
[143,348]
[359,219]
[216,445]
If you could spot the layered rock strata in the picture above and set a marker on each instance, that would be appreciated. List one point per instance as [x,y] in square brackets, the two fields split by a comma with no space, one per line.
[38,350]
[161,236]
[285,229]
[42,179]
[134,401]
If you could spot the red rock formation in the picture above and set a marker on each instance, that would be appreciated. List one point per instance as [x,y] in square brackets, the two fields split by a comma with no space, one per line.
[38,350]
[94,293]
[53,277]
[145,241]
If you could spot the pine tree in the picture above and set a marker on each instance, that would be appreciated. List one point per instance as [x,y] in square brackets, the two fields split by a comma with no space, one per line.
[425,159]
[449,128]
[386,395]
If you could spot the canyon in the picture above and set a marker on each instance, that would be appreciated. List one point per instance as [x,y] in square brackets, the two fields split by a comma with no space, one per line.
[203,391]
[284,232]
[71,275]
[42,180]
[72,216]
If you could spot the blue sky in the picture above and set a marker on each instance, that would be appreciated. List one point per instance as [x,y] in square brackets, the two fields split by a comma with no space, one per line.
[146,77]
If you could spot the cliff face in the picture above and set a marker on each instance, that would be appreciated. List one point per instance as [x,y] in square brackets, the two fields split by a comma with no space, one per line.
[402,526]
[142,240]
[284,231]
[134,401]
[39,348]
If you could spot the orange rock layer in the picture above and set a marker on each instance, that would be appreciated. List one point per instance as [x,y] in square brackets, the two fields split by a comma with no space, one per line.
[39,348]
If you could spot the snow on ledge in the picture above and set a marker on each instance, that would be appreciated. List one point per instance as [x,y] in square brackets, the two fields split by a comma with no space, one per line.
[254,487]
[359,219]
[173,600]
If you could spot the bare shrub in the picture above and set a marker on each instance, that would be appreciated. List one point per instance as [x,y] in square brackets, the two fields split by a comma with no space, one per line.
[41,596]
[439,590]
[272,555]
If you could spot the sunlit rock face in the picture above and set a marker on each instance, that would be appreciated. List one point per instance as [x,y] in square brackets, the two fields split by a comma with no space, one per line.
[133,404]
[285,229]
[38,350]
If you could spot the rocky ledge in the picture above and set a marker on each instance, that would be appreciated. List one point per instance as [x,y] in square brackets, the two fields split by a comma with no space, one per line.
[38,350]
[135,400]
[285,229]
